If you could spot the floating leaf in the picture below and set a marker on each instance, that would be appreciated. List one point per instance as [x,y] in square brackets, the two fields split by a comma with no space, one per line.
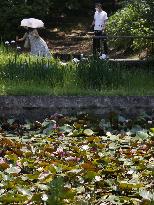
[43,187]
[13,170]
[88,132]
[152,130]
[142,134]
[66,128]
[25,192]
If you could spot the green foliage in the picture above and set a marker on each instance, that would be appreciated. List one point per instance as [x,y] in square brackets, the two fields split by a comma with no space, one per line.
[57,193]
[12,12]
[25,75]
[136,19]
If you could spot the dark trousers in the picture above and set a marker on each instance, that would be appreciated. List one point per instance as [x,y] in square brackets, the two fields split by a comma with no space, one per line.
[97,43]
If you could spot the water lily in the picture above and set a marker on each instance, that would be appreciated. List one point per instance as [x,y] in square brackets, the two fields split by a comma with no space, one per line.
[2,160]
[108,134]
[55,126]
[84,147]
[130,172]
[72,159]
[44,197]
[98,178]
[59,150]
[13,170]
[43,175]
[40,169]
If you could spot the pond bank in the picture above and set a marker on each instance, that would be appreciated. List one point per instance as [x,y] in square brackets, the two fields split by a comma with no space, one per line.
[38,107]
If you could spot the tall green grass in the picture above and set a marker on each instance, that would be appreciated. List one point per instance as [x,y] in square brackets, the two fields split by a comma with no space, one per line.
[21,74]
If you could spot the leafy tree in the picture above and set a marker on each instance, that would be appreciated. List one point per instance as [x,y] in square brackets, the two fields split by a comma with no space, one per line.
[13,11]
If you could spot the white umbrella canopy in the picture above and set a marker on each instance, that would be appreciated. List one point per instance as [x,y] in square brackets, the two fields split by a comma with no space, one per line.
[32,23]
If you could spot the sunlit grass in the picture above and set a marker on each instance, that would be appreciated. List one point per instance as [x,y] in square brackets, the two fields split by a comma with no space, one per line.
[21,74]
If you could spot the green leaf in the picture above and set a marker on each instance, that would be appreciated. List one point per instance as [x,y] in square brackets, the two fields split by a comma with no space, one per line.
[152,130]
[88,132]
[66,128]
[25,192]
[13,170]
[90,175]
[142,134]
[43,187]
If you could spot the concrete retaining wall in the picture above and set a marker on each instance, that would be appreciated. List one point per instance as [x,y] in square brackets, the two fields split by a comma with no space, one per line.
[38,107]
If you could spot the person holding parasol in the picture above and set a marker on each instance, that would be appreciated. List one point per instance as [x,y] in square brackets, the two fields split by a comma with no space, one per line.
[37,45]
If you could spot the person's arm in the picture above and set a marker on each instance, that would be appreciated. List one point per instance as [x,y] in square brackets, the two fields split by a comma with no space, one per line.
[93,23]
[105,22]
[21,39]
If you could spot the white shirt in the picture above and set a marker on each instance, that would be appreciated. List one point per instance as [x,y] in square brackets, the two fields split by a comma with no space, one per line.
[100,19]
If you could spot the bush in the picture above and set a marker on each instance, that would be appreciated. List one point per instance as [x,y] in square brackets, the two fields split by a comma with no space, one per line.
[136,19]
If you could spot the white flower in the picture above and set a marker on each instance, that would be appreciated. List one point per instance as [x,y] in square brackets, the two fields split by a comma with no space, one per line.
[130,172]
[44,197]
[84,147]
[25,164]
[40,169]
[13,41]
[97,178]
[62,63]
[75,60]
[13,170]
[18,48]
[7,43]
[69,158]
[88,197]
[103,57]
[100,154]
[108,134]
[59,150]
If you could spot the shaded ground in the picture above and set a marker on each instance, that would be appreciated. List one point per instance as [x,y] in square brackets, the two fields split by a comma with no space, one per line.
[74,42]
[73,36]
[79,41]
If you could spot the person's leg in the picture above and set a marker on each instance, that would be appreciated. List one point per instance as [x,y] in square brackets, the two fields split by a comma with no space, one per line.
[105,44]
[96,43]
[99,41]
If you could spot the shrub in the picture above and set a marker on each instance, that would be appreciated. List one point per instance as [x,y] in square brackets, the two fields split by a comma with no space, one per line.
[136,19]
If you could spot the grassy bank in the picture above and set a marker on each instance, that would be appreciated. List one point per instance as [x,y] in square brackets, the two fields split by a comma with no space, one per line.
[24,75]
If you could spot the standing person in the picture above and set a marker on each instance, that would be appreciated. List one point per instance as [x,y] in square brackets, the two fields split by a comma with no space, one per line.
[37,45]
[99,23]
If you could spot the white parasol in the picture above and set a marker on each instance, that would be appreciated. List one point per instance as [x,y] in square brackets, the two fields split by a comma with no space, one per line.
[32,23]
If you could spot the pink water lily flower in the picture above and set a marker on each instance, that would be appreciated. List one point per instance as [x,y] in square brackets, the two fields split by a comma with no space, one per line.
[2,161]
